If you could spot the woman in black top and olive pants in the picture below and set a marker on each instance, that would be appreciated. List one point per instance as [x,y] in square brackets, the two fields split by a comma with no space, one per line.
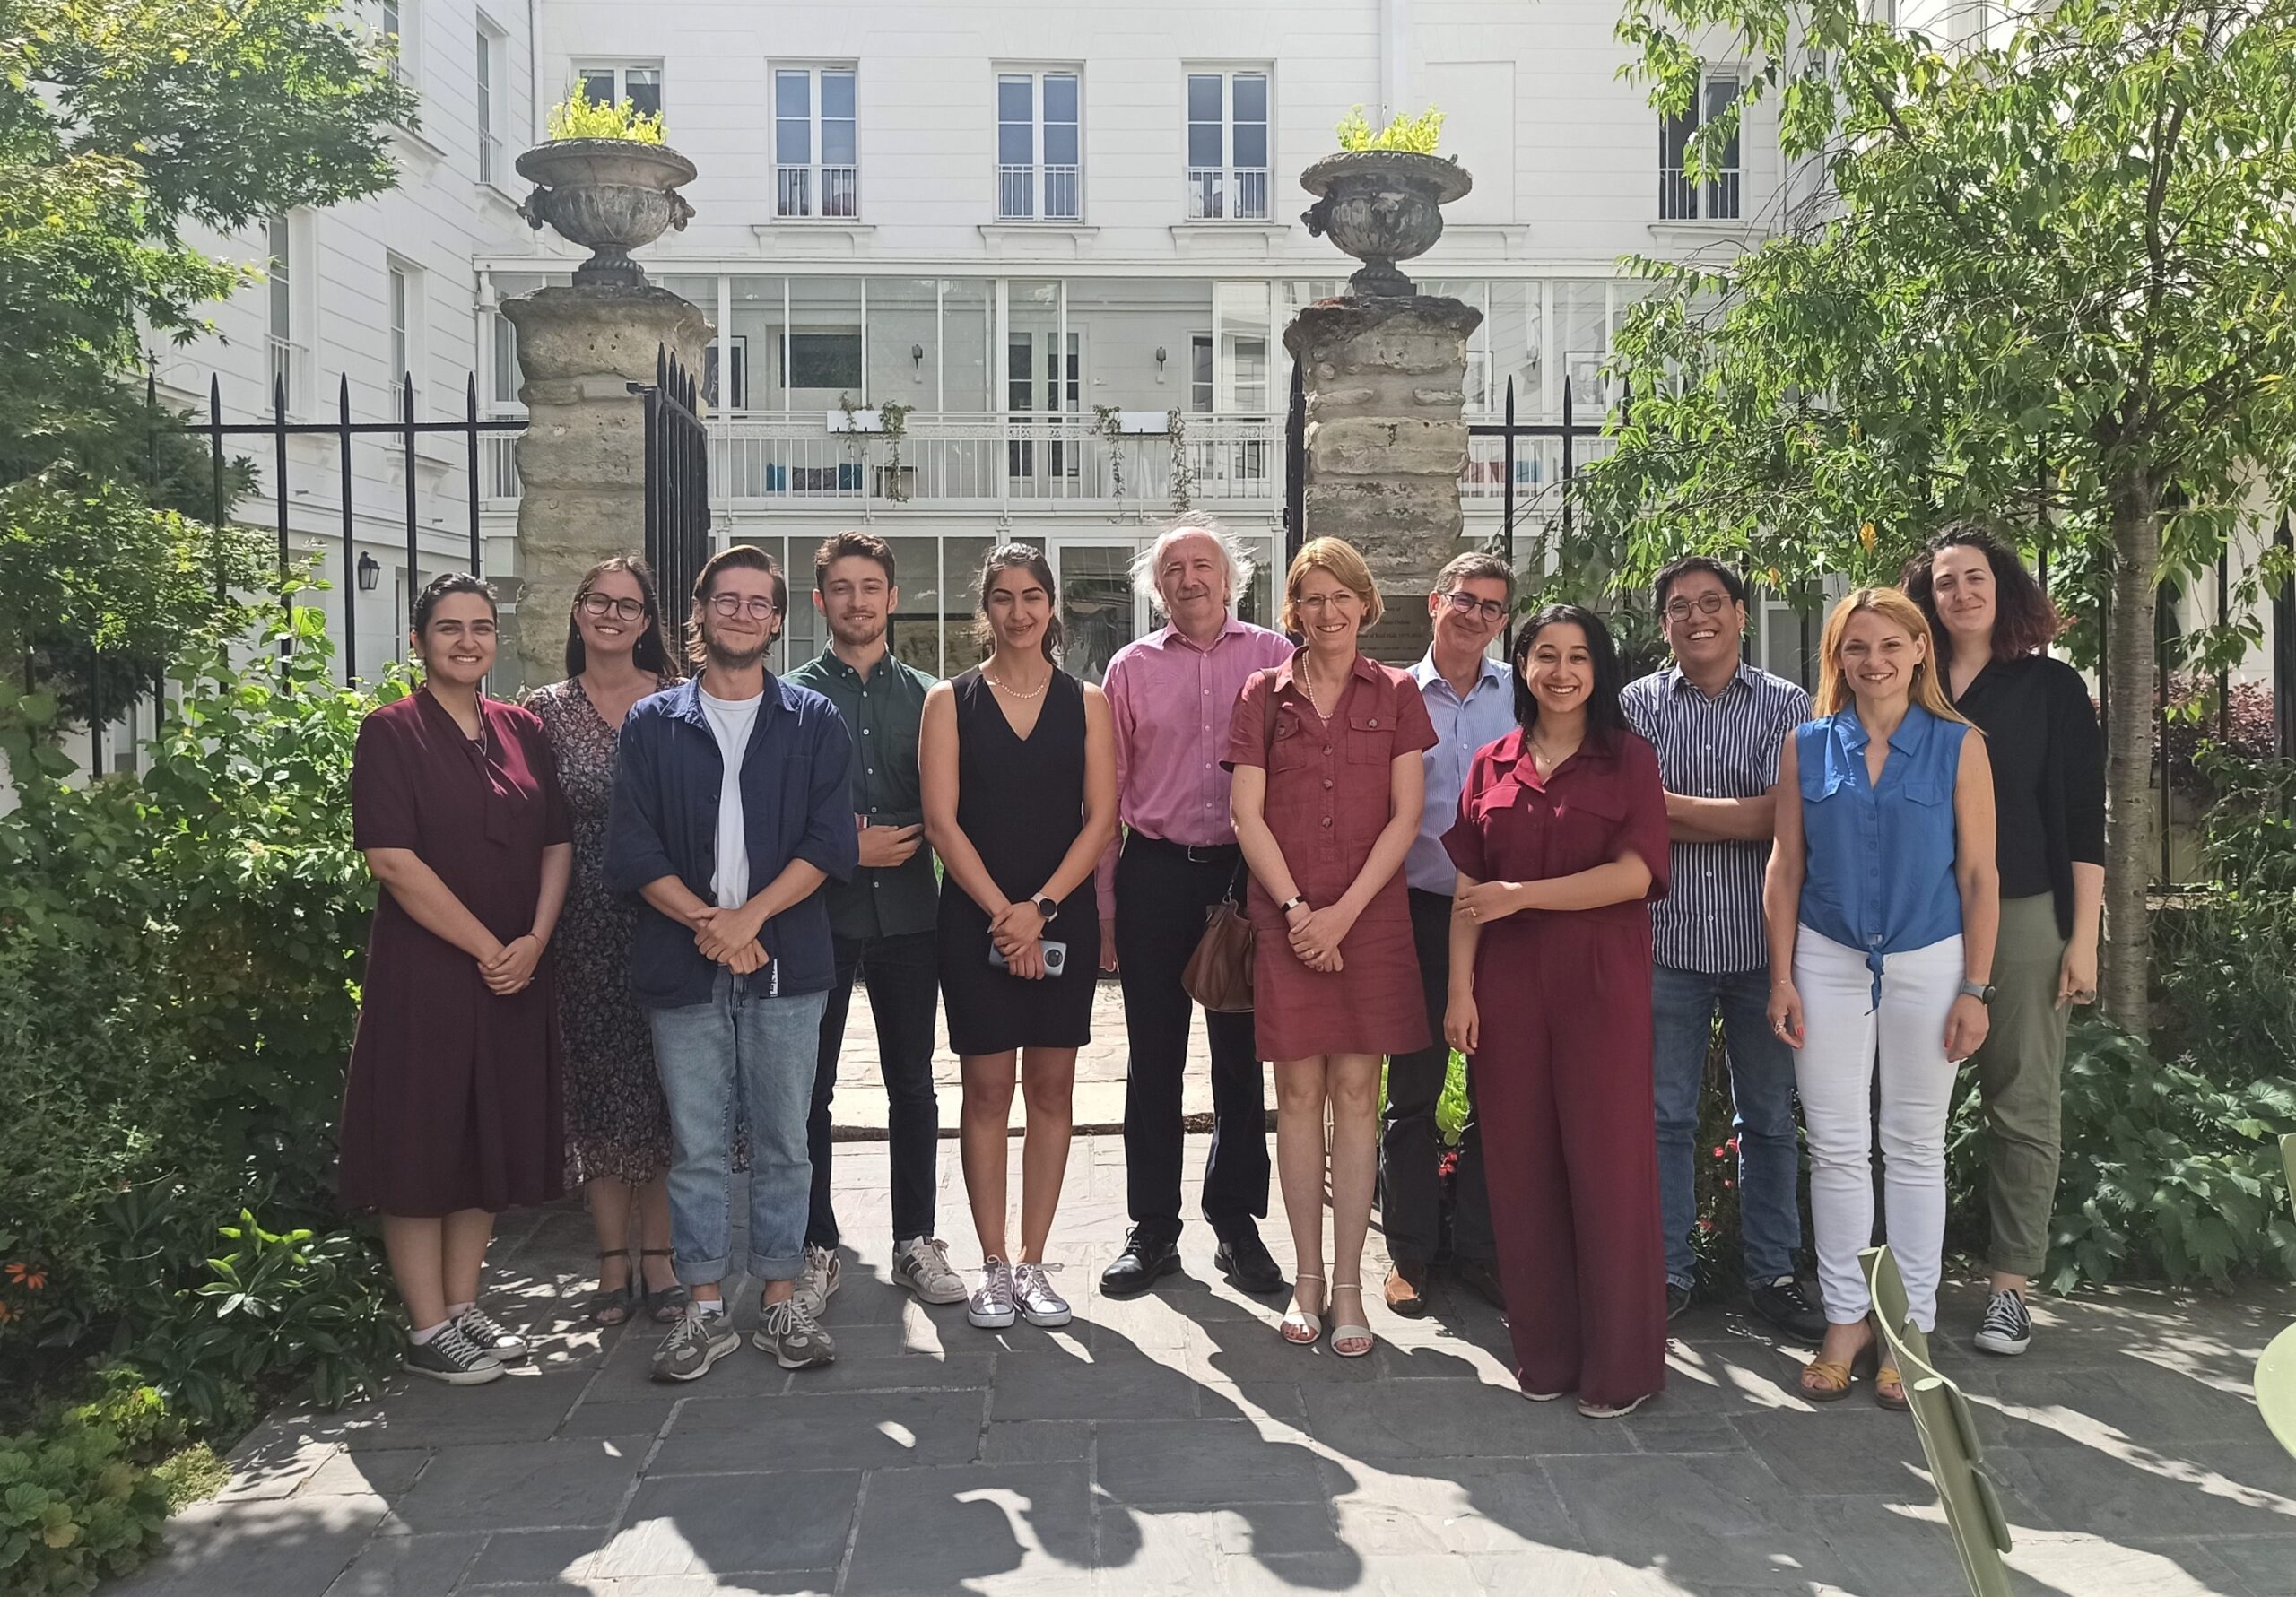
[1992,625]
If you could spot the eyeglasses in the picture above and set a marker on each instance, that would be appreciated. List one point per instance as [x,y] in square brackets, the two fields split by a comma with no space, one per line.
[606,604]
[1467,603]
[729,605]
[1706,604]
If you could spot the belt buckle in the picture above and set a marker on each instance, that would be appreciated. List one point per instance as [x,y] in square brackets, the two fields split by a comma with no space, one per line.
[1201,853]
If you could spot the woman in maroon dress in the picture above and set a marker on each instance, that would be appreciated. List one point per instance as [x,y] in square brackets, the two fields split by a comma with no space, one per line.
[451,1111]
[1326,800]
[1560,841]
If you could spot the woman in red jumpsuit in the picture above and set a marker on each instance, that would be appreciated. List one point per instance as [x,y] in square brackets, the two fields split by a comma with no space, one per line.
[1561,841]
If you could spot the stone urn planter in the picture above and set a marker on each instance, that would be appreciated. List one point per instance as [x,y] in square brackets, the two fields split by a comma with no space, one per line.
[611,195]
[1381,206]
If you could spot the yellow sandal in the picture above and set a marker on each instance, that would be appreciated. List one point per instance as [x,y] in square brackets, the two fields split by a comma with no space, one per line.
[1829,1380]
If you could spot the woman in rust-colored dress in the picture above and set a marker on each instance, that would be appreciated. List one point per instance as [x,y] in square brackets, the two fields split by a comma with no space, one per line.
[1326,800]
[451,1111]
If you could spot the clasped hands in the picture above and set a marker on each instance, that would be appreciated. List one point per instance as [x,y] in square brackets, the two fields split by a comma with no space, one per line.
[1317,933]
[1015,930]
[729,937]
[511,967]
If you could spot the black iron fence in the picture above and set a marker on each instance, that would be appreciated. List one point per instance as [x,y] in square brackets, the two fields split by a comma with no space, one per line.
[677,480]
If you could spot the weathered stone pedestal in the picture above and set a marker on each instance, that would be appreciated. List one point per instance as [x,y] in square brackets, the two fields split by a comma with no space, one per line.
[1385,442]
[582,458]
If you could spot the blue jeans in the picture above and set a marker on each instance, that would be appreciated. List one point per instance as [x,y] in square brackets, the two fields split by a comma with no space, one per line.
[763,1048]
[1761,1090]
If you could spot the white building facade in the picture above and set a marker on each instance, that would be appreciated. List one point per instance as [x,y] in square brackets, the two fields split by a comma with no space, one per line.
[976,270]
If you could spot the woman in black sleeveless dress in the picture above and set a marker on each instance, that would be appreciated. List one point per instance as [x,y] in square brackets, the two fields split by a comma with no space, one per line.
[1018,765]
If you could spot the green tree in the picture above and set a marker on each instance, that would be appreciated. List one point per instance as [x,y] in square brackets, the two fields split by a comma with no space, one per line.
[2042,281]
[123,125]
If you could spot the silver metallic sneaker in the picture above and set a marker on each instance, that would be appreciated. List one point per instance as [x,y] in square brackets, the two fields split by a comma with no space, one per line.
[991,1305]
[822,1273]
[1040,1304]
[922,1265]
[454,1358]
[491,1334]
[788,1331]
[694,1343]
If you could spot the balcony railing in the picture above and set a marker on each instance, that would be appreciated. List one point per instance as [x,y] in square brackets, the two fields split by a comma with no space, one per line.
[795,189]
[1019,198]
[1227,193]
[1680,196]
[282,371]
[497,464]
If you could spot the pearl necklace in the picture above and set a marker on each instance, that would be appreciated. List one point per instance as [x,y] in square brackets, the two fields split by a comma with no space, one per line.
[1016,692]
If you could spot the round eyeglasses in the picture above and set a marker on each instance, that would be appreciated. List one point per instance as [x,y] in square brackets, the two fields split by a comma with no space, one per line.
[1467,603]
[603,605]
[757,606]
[1706,604]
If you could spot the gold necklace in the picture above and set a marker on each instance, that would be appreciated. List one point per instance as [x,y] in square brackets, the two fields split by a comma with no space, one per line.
[1016,692]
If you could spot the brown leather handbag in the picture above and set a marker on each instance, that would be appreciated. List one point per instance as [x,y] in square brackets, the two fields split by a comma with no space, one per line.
[1218,974]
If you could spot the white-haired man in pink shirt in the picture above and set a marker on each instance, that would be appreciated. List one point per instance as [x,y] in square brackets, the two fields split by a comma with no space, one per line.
[1170,695]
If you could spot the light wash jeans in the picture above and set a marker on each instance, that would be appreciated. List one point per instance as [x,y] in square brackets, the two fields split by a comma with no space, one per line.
[764,1048]
[1843,1034]
[1761,1094]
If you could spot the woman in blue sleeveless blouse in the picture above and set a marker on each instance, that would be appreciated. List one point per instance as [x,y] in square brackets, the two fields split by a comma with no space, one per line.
[1882,900]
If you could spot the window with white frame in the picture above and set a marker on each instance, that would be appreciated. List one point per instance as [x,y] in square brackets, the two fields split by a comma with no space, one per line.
[1227,146]
[1716,198]
[1040,146]
[489,106]
[610,83]
[396,21]
[508,379]
[285,325]
[403,307]
[816,142]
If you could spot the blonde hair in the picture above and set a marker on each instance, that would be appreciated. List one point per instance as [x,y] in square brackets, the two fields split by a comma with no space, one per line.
[1339,559]
[1893,606]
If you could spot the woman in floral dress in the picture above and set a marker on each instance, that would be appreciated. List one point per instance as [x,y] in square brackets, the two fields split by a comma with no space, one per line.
[617,1126]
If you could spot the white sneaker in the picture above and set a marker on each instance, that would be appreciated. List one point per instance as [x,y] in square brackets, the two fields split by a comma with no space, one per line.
[818,1284]
[1040,1304]
[991,1307]
[922,1265]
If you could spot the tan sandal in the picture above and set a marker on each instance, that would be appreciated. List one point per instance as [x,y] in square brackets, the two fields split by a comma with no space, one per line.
[1299,1327]
[1829,1380]
[1889,1388]
[1351,1334]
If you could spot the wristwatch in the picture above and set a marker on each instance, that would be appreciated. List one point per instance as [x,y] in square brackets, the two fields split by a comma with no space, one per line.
[1047,905]
[1296,901]
[1980,991]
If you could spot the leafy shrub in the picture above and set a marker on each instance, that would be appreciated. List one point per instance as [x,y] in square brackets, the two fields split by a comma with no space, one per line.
[78,1503]
[1416,136]
[579,117]
[2197,716]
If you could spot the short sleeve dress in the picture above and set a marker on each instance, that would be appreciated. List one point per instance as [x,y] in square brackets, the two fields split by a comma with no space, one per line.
[1328,802]
[452,1100]
[1020,803]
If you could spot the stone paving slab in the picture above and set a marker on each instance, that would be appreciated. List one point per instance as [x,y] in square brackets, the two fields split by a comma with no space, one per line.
[1173,1444]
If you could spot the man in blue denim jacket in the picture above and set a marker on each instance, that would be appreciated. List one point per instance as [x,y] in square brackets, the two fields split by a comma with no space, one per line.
[730,811]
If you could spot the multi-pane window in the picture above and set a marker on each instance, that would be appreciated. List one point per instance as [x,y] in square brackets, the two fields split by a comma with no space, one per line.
[1041,394]
[401,325]
[279,242]
[1241,389]
[508,378]
[816,142]
[393,26]
[1715,199]
[492,165]
[1040,146]
[1227,146]
[641,86]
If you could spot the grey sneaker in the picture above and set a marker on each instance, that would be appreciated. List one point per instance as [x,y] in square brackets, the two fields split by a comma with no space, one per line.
[694,1343]
[1040,1304]
[452,1356]
[991,1305]
[2007,1328]
[819,1284]
[922,1265]
[491,1334]
[788,1331]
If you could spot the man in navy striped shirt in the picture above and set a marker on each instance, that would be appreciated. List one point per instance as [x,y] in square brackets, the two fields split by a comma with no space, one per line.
[1718,723]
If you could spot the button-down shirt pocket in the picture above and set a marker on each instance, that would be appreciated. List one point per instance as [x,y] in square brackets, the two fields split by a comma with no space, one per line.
[1294,746]
[1371,738]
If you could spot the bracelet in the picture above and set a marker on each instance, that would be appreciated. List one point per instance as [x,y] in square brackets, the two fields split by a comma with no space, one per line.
[1296,901]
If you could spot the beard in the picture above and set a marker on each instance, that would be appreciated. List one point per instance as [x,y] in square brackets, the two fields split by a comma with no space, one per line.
[858,635]
[724,657]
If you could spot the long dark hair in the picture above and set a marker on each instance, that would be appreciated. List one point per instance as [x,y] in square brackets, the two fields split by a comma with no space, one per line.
[1602,713]
[651,654]
[1008,557]
[2024,621]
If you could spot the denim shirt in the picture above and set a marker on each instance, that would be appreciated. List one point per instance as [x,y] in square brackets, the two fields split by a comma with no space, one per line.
[1879,873]
[797,804]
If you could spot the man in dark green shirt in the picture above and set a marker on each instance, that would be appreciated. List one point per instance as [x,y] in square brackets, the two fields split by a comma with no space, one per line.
[882,920]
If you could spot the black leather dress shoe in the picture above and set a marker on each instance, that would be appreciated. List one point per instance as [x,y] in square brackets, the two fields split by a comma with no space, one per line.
[1244,1259]
[1145,1258]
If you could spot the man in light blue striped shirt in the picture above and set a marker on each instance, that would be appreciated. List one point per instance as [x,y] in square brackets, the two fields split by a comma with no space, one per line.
[1718,724]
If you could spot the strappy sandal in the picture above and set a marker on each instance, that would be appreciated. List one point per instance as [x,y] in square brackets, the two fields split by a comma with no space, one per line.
[1829,1380]
[612,1306]
[1889,1388]
[1351,1334]
[1300,1327]
[668,1304]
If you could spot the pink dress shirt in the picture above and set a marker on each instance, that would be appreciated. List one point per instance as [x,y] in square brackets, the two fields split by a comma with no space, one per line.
[1170,703]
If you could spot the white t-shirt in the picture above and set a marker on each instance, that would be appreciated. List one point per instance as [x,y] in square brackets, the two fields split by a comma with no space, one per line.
[732,720]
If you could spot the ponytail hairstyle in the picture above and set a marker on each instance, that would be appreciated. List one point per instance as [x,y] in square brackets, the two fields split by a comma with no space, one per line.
[1021,557]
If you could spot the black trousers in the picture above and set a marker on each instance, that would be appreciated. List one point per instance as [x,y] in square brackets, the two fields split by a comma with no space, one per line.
[903,977]
[1410,1191]
[1161,896]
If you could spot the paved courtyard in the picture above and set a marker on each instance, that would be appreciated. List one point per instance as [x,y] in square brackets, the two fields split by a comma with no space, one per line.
[1173,1444]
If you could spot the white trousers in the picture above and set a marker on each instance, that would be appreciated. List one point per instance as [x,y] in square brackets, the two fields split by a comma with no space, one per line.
[1843,1033]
